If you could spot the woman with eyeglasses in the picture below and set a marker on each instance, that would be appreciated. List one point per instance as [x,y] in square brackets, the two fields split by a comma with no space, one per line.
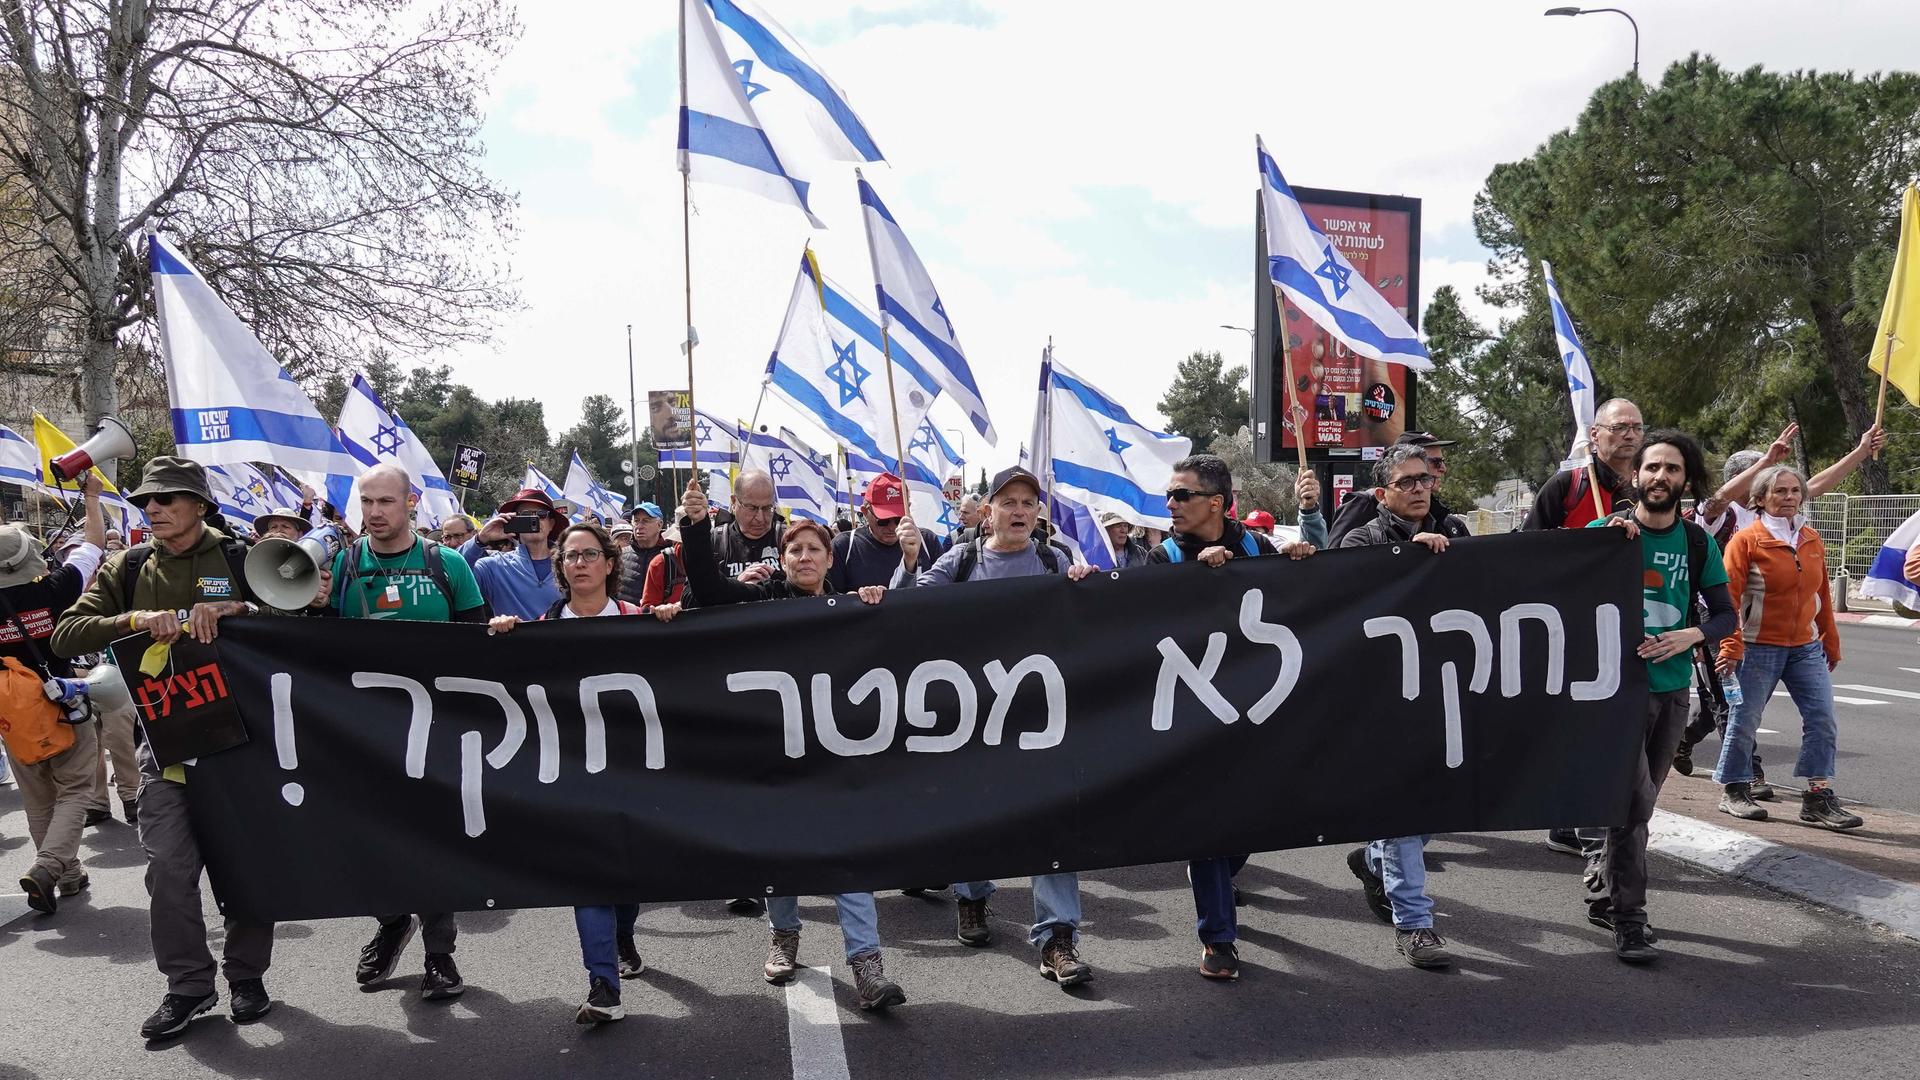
[1777,573]
[806,552]
[589,575]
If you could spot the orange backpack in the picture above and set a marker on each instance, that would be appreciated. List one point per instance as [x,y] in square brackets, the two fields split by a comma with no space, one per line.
[33,727]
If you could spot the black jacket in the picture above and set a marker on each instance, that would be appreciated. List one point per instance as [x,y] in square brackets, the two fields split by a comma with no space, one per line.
[1388,527]
[633,570]
[1550,509]
[705,579]
[1232,537]
[1360,508]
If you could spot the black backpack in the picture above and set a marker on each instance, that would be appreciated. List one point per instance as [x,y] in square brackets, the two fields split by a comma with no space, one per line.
[436,573]
[137,556]
[970,558]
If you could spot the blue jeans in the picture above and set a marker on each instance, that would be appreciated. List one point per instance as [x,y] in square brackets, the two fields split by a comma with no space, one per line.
[1056,902]
[859,921]
[1213,897]
[1402,866]
[598,927]
[1803,668]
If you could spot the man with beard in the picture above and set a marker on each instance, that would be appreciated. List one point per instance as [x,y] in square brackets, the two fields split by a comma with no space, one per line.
[1680,563]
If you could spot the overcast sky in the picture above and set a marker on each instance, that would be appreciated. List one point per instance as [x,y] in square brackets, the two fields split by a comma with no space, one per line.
[1064,168]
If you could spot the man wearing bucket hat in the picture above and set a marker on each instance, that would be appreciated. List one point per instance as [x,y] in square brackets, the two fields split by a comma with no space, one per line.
[56,789]
[282,522]
[1127,551]
[188,566]
[518,582]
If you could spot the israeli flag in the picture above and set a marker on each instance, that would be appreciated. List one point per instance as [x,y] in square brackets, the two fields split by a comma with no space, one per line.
[373,435]
[1886,578]
[1573,357]
[19,461]
[930,449]
[718,446]
[755,109]
[830,364]
[926,502]
[1076,528]
[1104,459]
[585,492]
[914,315]
[803,479]
[1320,281]
[243,492]
[232,402]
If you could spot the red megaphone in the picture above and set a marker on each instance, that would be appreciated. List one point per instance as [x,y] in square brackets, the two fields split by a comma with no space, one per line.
[113,440]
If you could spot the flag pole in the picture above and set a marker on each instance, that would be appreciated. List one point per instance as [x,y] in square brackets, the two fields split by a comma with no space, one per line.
[1886,368]
[886,340]
[1293,406]
[633,427]
[1046,405]
[686,249]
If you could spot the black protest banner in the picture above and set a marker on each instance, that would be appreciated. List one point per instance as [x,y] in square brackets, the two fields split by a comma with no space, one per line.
[994,728]
[184,707]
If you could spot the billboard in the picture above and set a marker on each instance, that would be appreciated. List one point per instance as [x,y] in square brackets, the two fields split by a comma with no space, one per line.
[1348,405]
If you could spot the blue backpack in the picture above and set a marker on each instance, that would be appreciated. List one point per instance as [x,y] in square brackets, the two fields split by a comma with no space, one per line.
[1174,554]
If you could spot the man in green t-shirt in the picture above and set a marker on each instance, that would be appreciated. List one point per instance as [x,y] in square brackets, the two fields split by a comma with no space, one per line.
[1679,563]
[391,573]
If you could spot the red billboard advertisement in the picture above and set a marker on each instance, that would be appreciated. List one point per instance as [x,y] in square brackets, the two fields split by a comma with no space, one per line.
[1351,402]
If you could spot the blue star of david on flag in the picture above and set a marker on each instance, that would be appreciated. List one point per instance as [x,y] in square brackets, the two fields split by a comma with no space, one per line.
[946,516]
[1335,274]
[744,68]
[847,374]
[1573,381]
[386,441]
[781,466]
[940,309]
[1114,442]
[243,497]
[922,439]
[702,431]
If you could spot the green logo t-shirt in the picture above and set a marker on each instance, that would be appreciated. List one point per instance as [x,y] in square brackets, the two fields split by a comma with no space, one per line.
[401,586]
[1665,594]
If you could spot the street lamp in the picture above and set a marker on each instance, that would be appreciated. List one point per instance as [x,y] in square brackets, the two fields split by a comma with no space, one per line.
[1571,11]
[1253,359]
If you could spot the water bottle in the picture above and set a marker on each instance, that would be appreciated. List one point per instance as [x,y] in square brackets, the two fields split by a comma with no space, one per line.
[1730,689]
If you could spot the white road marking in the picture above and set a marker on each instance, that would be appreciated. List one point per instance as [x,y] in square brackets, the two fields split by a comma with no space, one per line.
[13,906]
[813,1027]
[1915,670]
[1908,694]
[1839,698]
[1767,731]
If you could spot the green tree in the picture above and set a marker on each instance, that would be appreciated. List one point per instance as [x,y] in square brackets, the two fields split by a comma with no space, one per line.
[1207,400]
[600,437]
[1261,485]
[1712,233]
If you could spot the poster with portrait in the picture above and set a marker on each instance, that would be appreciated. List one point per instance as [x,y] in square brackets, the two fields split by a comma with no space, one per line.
[670,415]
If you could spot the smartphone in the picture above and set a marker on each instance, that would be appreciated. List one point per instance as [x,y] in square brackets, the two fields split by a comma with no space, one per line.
[523,523]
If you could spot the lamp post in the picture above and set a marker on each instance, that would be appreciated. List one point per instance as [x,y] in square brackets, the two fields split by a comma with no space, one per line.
[1253,358]
[1571,11]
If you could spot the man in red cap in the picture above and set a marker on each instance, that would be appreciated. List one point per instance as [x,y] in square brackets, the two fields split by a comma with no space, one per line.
[519,582]
[870,554]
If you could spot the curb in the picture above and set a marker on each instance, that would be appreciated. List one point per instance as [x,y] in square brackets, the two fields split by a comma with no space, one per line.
[1894,621]
[1886,903]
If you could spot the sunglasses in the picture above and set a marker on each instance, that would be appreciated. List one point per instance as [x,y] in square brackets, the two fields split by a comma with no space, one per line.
[165,498]
[1183,494]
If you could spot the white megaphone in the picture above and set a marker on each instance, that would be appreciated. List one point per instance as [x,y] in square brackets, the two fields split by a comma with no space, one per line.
[113,440]
[108,688]
[286,573]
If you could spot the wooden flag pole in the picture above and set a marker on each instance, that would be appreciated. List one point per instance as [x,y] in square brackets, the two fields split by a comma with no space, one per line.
[1294,409]
[1046,403]
[686,253]
[1880,411]
[886,340]
[1600,509]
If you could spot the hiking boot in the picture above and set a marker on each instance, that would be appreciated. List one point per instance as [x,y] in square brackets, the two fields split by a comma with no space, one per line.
[76,886]
[744,905]
[602,1005]
[631,965]
[130,809]
[1683,758]
[1564,841]
[1376,889]
[1220,960]
[1631,944]
[876,991]
[378,956]
[973,928]
[783,955]
[176,1011]
[442,980]
[1822,807]
[1738,801]
[42,895]
[923,892]
[1759,790]
[97,816]
[1599,915]
[1060,961]
[1423,948]
[248,1000]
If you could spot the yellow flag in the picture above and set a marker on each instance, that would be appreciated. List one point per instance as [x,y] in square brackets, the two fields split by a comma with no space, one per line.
[1896,348]
[50,442]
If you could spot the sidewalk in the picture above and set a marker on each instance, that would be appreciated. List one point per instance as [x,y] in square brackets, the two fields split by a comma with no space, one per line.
[1872,872]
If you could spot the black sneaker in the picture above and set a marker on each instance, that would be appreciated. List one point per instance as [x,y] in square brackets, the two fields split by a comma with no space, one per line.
[76,886]
[97,816]
[744,905]
[1737,800]
[248,999]
[876,992]
[1564,841]
[1822,807]
[1061,962]
[1598,915]
[176,1011]
[42,895]
[1376,889]
[602,1005]
[379,956]
[1423,948]
[1238,899]
[442,980]
[130,809]
[972,927]
[1220,961]
[631,965]
[923,892]
[1683,759]
[1631,945]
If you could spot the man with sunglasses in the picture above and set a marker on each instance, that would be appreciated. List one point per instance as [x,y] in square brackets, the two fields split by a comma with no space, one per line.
[1198,495]
[870,554]
[191,567]
[1394,872]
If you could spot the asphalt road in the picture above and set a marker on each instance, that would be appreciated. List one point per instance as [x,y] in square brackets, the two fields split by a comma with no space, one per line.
[1750,981]
[1877,701]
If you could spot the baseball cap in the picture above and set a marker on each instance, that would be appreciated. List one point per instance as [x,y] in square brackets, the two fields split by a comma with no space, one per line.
[886,496]
[651,509]
[1012,474]
[1423,438]
[1259,519]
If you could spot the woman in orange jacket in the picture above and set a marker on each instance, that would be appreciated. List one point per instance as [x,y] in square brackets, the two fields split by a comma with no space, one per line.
[1777,572]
